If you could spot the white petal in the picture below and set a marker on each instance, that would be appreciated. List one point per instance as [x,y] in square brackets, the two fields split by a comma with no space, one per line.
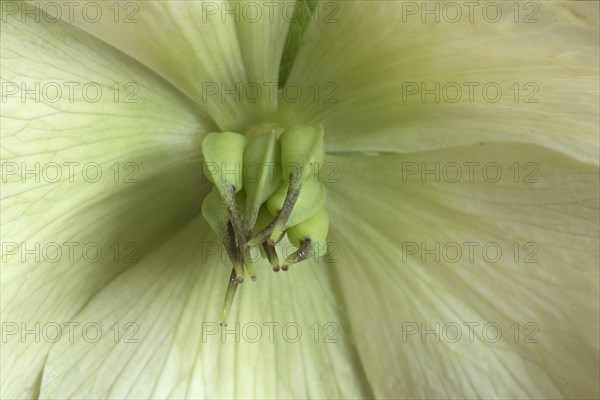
[225,55]
[366,76]
[82,172]
[399,235]
[173,346]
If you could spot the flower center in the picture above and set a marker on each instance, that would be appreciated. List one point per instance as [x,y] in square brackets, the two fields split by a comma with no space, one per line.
[266,187]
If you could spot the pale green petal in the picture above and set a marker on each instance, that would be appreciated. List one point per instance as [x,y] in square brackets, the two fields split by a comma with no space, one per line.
[387,224]
[110,174]
[173,348]
[197,46]
[357,74]
[262,32]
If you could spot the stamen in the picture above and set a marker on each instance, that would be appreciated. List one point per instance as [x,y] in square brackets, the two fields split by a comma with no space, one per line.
[249,264]
[235,221]
[304,252]
[273,232]
[233,252]
[271,255]
[228,196]
[229,296]
[239,272]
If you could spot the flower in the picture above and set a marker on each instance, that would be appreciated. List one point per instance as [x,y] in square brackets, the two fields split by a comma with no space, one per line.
[478,285]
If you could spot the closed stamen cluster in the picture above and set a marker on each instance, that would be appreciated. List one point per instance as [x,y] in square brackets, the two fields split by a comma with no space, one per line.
[281,197]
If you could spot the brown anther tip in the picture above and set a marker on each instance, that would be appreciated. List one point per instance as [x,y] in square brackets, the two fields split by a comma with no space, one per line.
[254,278]
[223,323]
[239,279]
[276,268]
[285,267]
